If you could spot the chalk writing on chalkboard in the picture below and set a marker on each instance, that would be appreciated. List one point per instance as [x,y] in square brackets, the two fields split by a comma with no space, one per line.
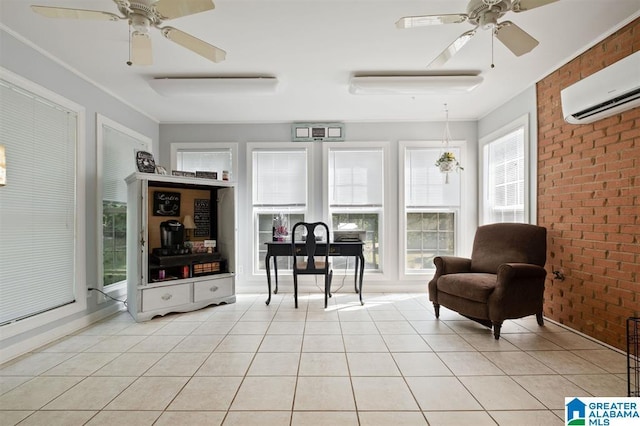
[166,203]
[202,217]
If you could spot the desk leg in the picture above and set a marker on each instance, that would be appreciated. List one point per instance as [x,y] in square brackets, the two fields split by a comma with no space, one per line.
[355,273]
[267,259]
[361,257]
[275,270]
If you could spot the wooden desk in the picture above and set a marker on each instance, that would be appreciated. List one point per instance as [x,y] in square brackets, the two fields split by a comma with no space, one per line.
[350,249]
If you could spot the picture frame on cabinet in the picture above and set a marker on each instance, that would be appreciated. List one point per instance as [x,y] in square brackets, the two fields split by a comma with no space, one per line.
[145,162]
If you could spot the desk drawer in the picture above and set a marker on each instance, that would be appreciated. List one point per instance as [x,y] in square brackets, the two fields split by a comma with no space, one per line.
[166,297]
[212,289]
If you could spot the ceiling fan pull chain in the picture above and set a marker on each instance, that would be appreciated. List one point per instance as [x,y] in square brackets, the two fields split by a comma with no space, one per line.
[129,61]
[493,36]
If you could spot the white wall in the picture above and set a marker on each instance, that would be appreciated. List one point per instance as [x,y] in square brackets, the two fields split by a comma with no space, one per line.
[354,132]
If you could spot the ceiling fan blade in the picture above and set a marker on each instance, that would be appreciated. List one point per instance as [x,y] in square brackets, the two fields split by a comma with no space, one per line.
[141,53]
[452,49]
[194,44]
[515,38]
[169,9]
[62,12]
[524,5]
[426,20]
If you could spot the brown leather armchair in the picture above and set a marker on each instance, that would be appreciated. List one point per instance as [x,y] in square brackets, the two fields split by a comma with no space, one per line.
[503,279]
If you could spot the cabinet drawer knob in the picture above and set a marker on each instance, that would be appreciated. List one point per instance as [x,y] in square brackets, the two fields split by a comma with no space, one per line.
[167,296]
[213,289]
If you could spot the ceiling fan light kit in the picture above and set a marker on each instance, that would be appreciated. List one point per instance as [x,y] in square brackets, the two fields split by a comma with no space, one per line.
[208,86]
[413,84]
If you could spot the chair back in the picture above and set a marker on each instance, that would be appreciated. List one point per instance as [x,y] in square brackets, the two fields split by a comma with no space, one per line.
[305,260]
[500,243]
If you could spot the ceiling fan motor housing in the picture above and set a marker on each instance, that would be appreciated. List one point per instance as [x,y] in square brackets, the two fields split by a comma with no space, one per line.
[486,16]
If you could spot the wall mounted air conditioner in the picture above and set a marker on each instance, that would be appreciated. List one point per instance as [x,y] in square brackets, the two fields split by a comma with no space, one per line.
[607,92]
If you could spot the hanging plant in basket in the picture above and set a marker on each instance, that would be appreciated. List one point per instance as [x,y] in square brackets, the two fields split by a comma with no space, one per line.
[448,163]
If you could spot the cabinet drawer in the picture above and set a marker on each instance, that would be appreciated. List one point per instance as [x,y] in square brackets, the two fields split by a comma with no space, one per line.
[165,297]
[212,289]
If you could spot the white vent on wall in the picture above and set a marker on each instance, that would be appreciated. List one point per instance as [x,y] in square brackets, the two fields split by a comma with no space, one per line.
[321,132]
[607,92]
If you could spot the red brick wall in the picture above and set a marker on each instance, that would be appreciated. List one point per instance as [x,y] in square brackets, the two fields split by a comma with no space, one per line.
[589,201]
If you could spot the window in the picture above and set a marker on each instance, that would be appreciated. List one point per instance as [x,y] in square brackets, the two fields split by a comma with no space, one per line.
[356,196]
[504,175]
[116,151]
[431,206]
[279,191]
[41,219]
[205,160]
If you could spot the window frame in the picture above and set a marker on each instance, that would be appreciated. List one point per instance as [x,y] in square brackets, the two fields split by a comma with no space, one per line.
[384,235]
[80,282]
[403,272]
[483,192]
[204,146]
[253,212]
[118,289]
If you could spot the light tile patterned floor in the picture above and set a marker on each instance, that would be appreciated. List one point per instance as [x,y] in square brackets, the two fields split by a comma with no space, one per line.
[387,362]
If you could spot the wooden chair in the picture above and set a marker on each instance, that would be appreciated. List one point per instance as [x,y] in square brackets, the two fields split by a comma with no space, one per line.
[310,259]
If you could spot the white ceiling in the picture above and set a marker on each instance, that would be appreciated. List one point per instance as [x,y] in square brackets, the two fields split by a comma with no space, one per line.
[313,47]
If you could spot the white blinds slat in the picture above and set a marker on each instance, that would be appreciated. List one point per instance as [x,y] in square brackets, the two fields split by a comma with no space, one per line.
[355,177]
[424,183]
[37,207]
[280,177]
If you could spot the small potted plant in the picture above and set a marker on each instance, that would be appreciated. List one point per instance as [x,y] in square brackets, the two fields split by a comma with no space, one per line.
[448,163]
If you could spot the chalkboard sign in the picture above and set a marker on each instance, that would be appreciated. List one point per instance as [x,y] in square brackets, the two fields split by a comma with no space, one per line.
[166,203]
[145,162]
[202,217]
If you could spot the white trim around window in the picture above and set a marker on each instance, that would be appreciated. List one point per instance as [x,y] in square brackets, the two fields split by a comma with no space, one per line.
[118,289]
[253,211]
[458,210]
[387,238]
[79,273]
[521,122]
[207,146]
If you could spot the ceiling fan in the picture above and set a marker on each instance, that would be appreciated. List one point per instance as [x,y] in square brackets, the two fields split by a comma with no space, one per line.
[482,14]
[142,15]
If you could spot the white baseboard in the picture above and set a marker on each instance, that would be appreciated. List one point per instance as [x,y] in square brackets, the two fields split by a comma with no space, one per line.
[46,337]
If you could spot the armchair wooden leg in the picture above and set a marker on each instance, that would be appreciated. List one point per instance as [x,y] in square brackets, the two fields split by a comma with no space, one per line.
[496,330]
[539,318]
[436,308]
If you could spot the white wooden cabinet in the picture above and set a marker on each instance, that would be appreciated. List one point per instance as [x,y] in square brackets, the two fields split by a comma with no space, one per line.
[184,288]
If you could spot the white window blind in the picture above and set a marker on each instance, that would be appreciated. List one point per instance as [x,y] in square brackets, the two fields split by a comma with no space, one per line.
[355,177]
[506,178]
[118,156]
[280,177]
[37,206]
[211,160]
[424,183]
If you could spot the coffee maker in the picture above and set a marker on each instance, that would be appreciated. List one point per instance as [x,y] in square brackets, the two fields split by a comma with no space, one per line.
[172,238]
